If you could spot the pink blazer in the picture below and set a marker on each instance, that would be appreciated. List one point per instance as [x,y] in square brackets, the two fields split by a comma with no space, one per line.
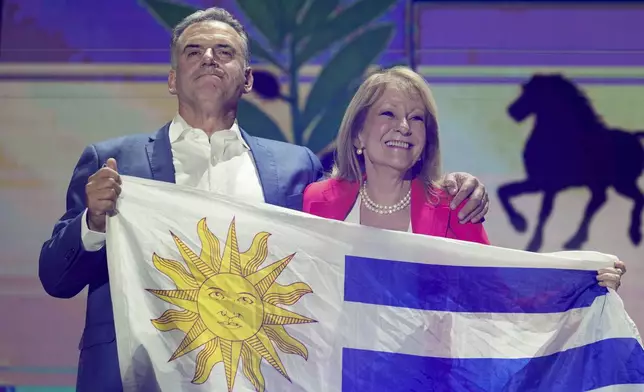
[333,199]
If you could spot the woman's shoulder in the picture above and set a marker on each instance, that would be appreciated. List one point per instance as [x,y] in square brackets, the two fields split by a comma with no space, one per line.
[333,193]
[316,190]
[318,187]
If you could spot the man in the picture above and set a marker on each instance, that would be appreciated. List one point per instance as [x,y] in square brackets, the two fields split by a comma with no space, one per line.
[201,147]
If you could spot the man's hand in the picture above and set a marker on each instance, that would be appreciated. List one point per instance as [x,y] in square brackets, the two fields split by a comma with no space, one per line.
[102,190]
[462,186]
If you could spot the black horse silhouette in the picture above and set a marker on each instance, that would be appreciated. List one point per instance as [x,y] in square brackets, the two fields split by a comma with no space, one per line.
[570,146]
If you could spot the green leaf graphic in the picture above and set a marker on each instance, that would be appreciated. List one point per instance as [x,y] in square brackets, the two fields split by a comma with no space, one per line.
[326,130]
[262,16]
[257,50]
[317,13]
[348,64]
[254,121]
[168,12]
[351,19]
[286,13]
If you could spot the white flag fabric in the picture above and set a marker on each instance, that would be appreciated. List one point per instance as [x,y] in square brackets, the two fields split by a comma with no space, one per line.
[214,294]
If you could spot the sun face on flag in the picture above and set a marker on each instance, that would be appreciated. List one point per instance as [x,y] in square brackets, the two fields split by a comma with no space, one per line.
[229,306]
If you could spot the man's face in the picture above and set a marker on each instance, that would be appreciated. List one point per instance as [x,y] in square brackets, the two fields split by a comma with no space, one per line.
[211,67]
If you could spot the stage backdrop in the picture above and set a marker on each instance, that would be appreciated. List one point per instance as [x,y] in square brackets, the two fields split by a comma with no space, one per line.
[77,72]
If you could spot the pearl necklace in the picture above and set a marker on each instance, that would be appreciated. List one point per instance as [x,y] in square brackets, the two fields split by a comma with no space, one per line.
[379,209]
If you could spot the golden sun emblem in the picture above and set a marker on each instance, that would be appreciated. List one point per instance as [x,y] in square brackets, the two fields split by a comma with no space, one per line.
[230,306]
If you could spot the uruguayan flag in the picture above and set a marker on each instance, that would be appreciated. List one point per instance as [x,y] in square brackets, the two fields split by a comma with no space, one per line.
[213,294]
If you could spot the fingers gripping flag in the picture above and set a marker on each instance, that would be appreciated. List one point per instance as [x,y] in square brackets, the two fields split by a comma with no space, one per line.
[213,294]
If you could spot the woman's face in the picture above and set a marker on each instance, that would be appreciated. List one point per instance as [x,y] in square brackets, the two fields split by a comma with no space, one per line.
[394,132]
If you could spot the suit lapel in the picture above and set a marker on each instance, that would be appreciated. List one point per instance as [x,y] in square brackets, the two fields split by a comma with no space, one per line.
[267,170]
[429,217]
[160,155]
[338,199]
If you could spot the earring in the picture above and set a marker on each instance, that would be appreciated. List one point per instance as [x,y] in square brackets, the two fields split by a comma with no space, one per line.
[359,151]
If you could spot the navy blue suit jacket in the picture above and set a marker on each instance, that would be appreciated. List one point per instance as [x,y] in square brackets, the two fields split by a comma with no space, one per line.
[65,268]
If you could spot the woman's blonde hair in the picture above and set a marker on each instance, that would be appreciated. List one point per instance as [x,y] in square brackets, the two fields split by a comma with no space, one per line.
[348,164]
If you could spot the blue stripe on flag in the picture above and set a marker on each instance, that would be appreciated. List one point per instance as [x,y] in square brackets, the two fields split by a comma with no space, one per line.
[468,289]
[607,362]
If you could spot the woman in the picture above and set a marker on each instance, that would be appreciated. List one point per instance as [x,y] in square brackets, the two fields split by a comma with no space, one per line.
[387,172]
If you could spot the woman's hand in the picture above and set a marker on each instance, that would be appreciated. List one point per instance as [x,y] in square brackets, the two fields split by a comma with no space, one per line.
[611,277]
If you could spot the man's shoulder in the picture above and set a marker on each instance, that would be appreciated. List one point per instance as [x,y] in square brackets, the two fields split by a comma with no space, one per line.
[290,156]
[317,190]
[125,143]
[137,138]
[319,187]
[282,147]
[123,147]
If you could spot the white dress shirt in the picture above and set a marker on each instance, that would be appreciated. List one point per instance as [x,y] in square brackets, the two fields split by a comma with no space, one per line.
[222,163]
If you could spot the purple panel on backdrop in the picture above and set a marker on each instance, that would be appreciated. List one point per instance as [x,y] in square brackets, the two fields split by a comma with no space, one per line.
[463,80]
[608,32]
[116,31]
[85,78]
[122,31]
[85,31]
[474,57]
